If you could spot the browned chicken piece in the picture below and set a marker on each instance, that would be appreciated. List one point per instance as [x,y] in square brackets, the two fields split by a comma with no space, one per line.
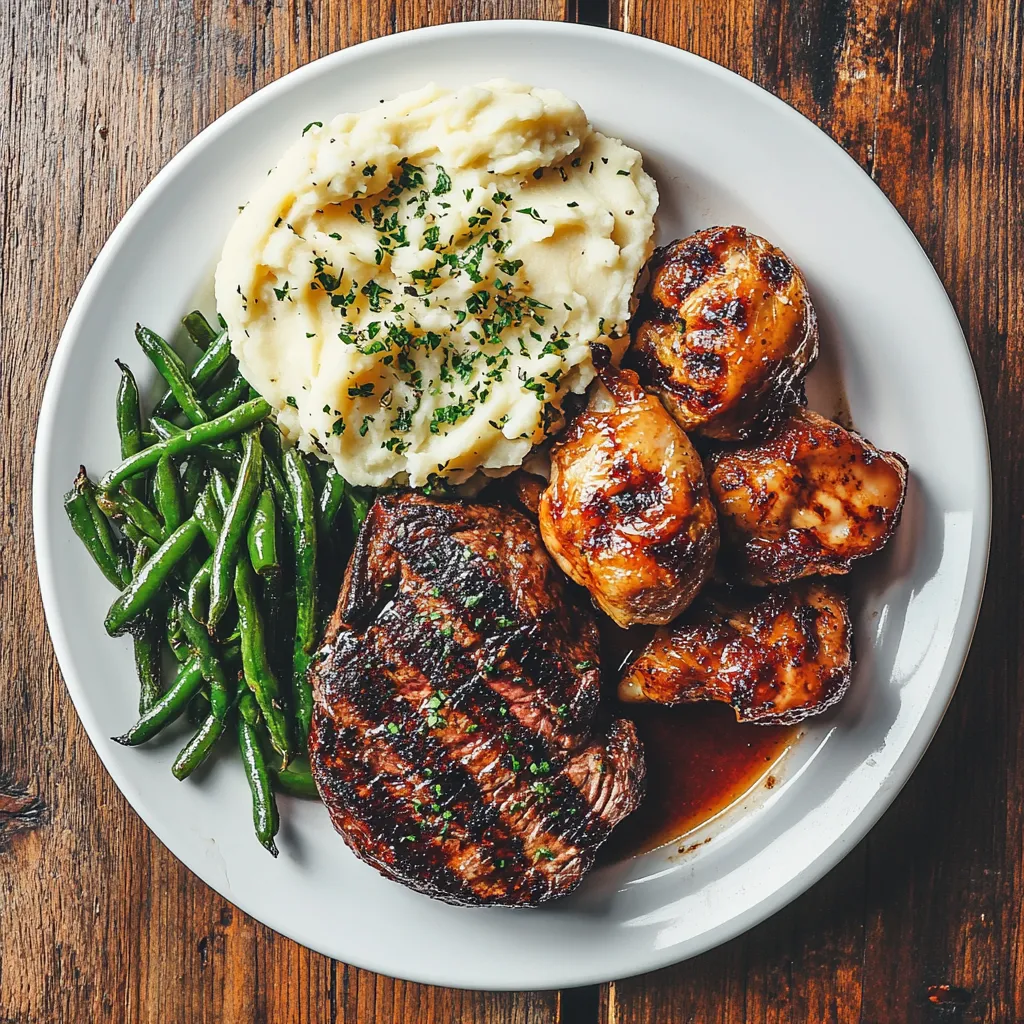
[726,332]
[627,512]
[810,500]
[776,661]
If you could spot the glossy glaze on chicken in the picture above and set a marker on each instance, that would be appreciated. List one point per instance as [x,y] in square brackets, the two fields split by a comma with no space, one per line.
[725,332]
[810,500]
[627,513]
[776,657]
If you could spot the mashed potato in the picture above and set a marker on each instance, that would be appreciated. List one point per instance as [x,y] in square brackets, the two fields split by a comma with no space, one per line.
[415,288]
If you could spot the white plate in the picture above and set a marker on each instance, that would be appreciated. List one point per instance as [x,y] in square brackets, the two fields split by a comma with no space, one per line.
[722,151]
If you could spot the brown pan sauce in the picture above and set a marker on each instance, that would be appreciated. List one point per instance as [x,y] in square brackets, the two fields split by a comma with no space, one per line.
[699,758]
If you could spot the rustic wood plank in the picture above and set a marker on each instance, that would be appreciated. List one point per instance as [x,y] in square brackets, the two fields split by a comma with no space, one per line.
[100,921]
[923,921]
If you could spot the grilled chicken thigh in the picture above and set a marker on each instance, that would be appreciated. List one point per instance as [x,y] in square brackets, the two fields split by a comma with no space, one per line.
[776,659]
[627,513]
[808,501]
[454,739]
[726,332]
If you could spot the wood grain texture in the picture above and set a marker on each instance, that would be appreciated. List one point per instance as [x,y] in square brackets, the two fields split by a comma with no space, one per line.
[99,921]
[924,921]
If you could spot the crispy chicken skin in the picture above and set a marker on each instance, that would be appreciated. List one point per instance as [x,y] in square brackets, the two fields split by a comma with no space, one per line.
[810,500]
[777,659]
[726,332]
[627,512]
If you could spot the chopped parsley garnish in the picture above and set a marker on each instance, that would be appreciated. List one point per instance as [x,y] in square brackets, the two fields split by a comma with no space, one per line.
[312,124]
[532,213]
[361,390]
[290,400]
[443,184]
[369,170]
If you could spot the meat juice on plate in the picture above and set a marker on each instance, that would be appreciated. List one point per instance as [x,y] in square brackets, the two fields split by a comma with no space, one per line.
[700,760]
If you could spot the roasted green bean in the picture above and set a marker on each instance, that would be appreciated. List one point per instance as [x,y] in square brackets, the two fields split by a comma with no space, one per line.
[209,364]
[144,587]
[209,662]
[129,422]
[193,480]
[304,546]
[76,505]
[331,498]
[121,506]
[208,512]
[227,397]
[167,708]
[198,595]
[259,676]
[297,780]
[198,748]
[167,495]
[146,644]
[199,329]
[232,534]
[235,422]
[170,366]
[262,536]
[264,805]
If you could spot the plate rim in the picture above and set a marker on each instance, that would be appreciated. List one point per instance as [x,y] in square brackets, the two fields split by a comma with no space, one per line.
[975,575]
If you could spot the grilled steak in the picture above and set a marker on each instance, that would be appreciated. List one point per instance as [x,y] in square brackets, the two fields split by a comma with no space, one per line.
[456,692]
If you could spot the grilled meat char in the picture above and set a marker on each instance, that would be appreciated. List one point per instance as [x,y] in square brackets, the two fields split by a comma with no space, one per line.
[456,693]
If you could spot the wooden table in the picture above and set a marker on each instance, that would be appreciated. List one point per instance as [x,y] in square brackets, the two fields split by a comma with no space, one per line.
[924,921]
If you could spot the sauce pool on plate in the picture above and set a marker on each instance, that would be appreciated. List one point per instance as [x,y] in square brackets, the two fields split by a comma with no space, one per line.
[700,760]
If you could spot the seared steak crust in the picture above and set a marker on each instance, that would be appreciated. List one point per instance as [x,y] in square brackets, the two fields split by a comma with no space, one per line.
[455,697]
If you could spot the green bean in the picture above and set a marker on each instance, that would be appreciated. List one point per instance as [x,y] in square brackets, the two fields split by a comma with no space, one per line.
[228,425]
[149,438]
[167,494]
[209,364]
[139,538]
[129,421]
[199,329]
[146,644]
[358,503]
[208,512]
[262,536]
[198,595]
[298,781]
[199,748]
[273,442]
[121,506]
[84,486]
[259,676]
[232,534]
[170,706]
[331,498]
[144,587]
[76,506]
[193,480]
[226,398]
[176,639]
[304,545]
[264,805]
[209,662]
[226,459]
[282,496]
[169,365]
[221,492]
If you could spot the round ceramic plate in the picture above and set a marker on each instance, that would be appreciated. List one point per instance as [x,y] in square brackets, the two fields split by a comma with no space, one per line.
[723,152]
